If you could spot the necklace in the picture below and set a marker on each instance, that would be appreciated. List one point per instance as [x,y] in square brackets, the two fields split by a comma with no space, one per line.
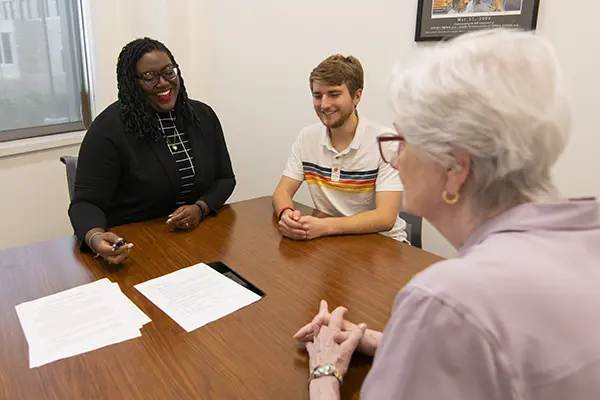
[171,145]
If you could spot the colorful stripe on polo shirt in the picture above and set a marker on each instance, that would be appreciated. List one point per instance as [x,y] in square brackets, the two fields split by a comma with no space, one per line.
[350,181]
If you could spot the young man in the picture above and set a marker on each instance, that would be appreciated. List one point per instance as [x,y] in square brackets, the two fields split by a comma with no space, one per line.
[340,160]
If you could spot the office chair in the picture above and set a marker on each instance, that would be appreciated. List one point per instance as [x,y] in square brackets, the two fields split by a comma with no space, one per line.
[71,168]
[414,226]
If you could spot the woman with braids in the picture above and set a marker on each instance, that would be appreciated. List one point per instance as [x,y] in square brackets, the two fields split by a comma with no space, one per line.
[153,153]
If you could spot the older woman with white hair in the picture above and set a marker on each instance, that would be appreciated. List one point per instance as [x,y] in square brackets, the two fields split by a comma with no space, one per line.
[481,120]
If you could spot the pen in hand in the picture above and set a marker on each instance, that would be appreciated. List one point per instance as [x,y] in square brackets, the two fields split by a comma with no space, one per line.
[120,243]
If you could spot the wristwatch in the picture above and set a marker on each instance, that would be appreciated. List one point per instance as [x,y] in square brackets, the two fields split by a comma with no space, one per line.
[325,370]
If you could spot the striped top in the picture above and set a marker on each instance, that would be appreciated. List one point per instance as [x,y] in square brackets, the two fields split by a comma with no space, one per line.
[344,183]
[180,148]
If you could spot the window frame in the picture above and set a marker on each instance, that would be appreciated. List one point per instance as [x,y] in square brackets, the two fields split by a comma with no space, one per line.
[74,17]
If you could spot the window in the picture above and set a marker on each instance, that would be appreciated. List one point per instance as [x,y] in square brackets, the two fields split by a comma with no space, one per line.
[33,6]
[6,47]
[20,9]
[53,8]
[11,11]
[42,76]
[17,9]
[3,10]
[27,14]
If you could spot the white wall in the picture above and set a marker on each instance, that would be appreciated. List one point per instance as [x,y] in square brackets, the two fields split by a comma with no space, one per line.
[571,30]
[34,197]
[114,23]
[251,60]
[266,49]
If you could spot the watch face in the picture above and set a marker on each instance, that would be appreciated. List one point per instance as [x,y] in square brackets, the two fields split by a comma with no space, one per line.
[325,370]
[328,369]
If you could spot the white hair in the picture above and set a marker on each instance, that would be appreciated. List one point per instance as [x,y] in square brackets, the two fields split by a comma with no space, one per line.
[498,94]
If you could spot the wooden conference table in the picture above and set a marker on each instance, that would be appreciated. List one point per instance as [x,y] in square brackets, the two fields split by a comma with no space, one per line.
[249,354]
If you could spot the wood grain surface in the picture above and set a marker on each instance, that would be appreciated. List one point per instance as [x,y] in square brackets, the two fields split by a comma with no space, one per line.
[249,354]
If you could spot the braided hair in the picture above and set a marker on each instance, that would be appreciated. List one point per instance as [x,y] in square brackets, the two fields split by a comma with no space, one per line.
[138,118]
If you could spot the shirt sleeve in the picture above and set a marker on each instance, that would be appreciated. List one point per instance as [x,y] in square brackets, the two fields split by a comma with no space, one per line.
[294,168]
[388,179]
[225,181]
[429,350]
[98,173]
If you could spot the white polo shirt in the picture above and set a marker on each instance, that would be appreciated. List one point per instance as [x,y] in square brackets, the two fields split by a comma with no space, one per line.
[344,183]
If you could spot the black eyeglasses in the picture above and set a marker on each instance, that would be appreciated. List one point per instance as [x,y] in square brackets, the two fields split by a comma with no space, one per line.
[390,147]
[151,79]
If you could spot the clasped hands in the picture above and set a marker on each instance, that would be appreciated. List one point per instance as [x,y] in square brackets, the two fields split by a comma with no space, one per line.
[185,217]
[296,226]
[330,339]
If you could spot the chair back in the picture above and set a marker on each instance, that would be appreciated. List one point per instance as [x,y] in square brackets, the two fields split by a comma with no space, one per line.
[414,227]
[71,169]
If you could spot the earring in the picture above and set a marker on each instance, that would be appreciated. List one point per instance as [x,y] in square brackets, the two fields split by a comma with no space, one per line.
[453,200]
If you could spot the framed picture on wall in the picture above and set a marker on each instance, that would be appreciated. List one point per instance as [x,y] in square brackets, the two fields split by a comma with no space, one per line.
[443,19]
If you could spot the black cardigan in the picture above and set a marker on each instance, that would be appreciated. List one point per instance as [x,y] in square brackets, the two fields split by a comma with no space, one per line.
[121,179]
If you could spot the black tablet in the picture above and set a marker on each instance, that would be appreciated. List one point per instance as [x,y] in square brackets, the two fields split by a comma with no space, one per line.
[225,270]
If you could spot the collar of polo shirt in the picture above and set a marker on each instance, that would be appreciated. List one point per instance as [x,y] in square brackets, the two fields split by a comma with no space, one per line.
[356,141]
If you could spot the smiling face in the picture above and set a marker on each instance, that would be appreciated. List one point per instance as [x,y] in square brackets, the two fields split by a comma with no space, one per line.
[161,93]
[333,104]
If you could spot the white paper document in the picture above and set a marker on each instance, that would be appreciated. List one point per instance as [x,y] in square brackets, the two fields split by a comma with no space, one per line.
[196,295]
[78,320]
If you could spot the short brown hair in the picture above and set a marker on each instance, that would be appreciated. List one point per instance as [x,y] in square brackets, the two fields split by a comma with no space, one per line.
[336,70]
